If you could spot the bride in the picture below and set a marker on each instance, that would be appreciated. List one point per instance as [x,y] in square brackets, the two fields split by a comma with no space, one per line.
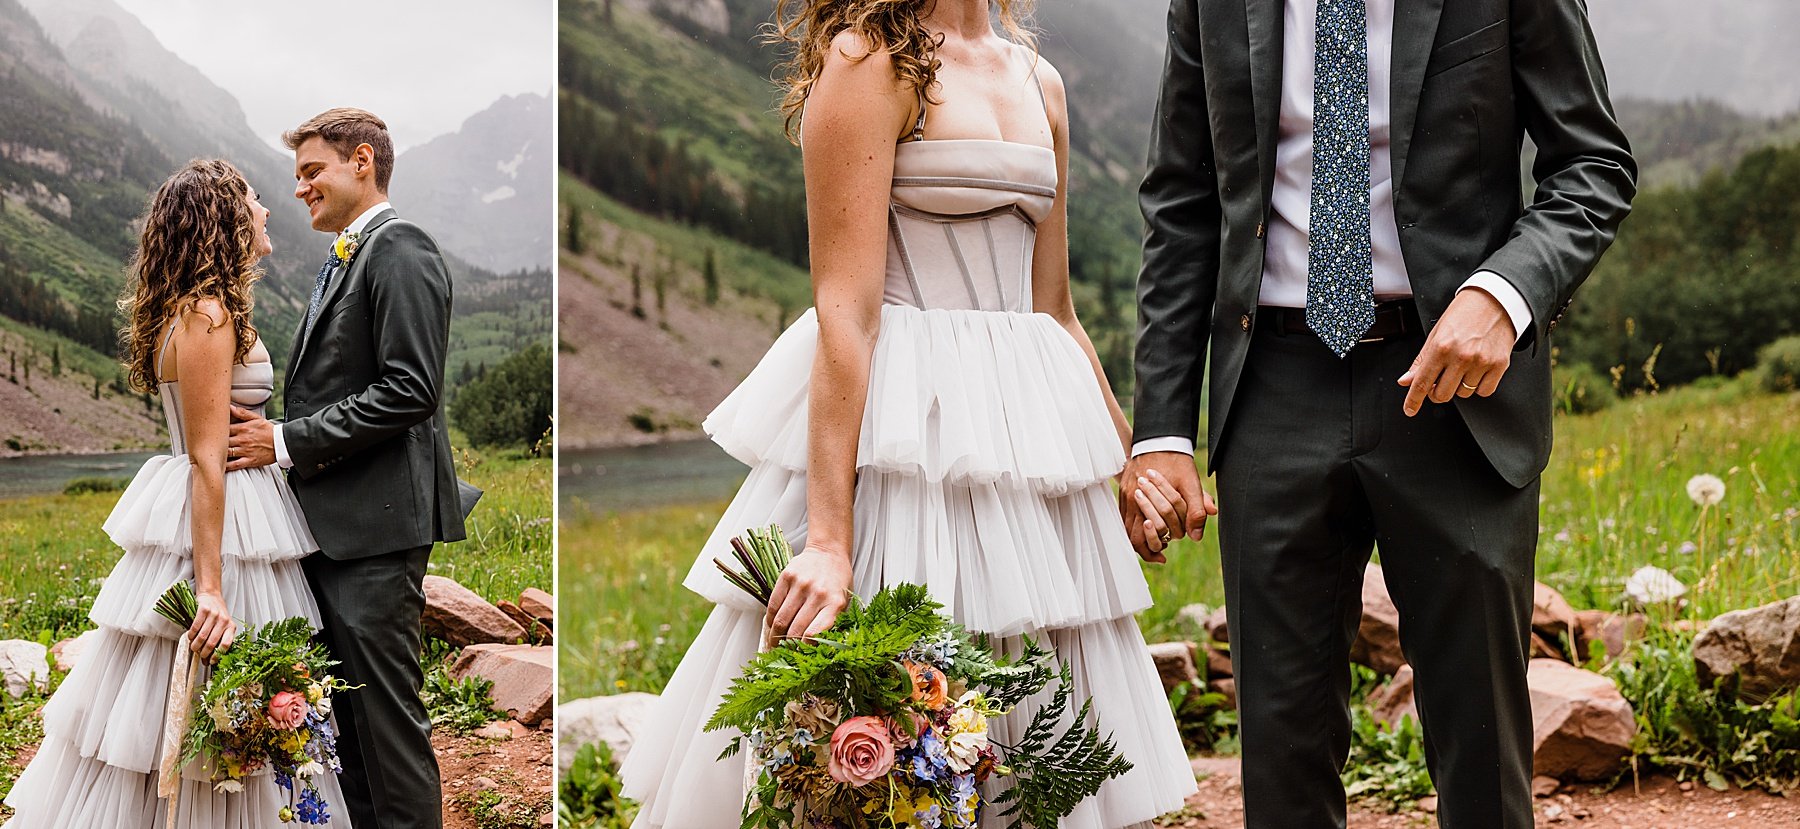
[238,536]
[940,417]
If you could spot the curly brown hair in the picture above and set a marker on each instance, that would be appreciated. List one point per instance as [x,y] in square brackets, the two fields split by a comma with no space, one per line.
[895,27]
[198,242]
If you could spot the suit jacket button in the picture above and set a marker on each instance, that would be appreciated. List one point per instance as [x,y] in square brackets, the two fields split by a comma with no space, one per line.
[1244,321]
[1260,230]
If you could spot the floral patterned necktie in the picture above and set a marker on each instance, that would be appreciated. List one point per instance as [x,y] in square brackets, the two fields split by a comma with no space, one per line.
[1340,282]
[318,294]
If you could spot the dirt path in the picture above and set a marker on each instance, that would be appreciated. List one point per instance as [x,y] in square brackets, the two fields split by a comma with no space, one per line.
[1657,803]
[510,783]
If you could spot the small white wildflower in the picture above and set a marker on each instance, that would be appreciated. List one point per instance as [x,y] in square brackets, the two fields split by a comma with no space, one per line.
[1706,489]
[1653,585]
[1688,548]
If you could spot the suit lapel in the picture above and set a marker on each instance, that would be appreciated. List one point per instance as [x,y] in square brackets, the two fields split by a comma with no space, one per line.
[1264,20]
[1415,29]
[336,287]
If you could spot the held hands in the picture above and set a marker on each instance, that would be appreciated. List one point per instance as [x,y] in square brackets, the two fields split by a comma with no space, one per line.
[252,441]
[810,594]
[1465,355]
[213,630]
[1159,498]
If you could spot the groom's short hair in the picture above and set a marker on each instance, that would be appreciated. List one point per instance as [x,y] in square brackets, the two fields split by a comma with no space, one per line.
[342,129]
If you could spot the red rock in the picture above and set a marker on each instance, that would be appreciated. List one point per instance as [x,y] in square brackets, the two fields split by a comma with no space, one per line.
[1217,627]
[1394,699]
[524,677]
[1175,664]
[515,613]
[1542,649]
[66,654]
[1552,617]
[540,605]
[1581,726]
[1227,687]
[1542,786]
[457,615]
[1755,651]
[1218,662]
[1611,631]
[1378,638]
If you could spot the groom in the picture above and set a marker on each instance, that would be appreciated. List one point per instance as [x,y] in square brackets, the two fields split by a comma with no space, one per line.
[1333,206]
[368,453]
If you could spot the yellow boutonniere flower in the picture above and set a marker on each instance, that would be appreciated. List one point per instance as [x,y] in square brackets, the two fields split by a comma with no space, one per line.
[346,245]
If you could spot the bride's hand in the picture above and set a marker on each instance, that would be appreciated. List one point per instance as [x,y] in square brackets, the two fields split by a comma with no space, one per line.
[213,629]
[810,594]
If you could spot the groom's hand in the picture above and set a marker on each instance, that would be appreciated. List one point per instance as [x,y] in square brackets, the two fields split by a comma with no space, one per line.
[1466,353]
[252,440]
[1168,498]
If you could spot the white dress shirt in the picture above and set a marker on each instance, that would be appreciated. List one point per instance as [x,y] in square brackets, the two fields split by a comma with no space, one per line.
[1285,255]
[282,458]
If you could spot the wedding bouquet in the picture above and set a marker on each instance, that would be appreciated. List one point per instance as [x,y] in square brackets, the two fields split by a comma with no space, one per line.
[883,720]
[267,704]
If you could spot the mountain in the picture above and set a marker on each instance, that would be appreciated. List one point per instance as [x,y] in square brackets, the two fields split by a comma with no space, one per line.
[95,113]
[487,190]
[121,68]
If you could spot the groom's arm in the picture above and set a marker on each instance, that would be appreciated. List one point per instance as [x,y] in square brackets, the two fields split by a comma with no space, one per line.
[1180,201]
[409,292]
[1585,174]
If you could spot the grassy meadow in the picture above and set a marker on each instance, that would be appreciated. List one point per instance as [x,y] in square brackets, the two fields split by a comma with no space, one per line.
[1614,499]
[56,552]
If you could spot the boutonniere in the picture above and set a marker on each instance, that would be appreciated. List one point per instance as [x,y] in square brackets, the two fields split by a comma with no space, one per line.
[346,245]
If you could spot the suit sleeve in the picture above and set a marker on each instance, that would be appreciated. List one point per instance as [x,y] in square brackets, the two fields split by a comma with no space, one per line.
[409,292]
[1585,174]
[1179,198]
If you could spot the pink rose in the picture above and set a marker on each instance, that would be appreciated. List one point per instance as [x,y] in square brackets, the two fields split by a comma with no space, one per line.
[287,710]
[862,751]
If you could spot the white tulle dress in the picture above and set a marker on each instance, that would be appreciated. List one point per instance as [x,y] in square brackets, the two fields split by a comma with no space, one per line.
[97,767]
[986,445]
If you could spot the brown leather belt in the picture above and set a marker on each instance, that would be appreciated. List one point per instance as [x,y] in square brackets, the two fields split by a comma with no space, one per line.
[1394,318]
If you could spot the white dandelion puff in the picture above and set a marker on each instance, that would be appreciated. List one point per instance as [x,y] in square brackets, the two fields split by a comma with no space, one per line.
[1653,585]
[1706,489]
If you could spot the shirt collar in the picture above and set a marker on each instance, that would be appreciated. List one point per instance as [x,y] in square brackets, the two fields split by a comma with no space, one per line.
[367,217]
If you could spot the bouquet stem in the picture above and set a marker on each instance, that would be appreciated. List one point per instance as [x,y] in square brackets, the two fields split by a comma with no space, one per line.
[763,554]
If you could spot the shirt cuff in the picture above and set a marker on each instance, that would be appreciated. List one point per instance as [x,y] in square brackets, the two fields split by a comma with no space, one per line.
[1508,296]
[1173,443]
[281,453]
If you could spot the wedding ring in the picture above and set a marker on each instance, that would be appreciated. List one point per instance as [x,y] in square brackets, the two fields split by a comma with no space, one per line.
[1467,386]
[1164,537]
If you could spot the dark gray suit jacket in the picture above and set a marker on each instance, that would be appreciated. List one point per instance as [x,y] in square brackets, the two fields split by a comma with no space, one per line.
[365,417]
[1470,79]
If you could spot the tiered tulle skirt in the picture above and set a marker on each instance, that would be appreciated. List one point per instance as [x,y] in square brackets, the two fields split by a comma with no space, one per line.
[96,768]
[985,449]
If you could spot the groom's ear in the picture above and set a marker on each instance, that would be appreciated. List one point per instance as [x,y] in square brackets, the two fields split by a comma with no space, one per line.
[362,164]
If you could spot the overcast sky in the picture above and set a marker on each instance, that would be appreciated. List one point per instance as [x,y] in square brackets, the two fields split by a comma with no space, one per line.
[435,62]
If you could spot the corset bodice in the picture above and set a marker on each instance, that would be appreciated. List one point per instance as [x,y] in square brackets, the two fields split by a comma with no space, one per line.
[251,387]
[962,223]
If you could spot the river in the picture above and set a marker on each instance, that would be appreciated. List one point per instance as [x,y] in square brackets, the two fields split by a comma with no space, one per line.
[646,477]
[48,474]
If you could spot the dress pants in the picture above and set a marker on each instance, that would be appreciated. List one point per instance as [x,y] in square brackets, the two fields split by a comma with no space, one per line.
[1319,465]
[371,608]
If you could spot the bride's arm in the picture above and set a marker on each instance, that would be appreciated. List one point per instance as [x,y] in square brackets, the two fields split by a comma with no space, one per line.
[1050,260]
[205,344]
[853,114]
[1159,503]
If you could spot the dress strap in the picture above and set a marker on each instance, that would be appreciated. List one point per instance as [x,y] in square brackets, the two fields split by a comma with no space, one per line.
[918,132]
[162,354]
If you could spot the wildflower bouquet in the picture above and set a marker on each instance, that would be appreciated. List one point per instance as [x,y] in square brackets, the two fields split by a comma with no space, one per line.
[267,704]
[883,720]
